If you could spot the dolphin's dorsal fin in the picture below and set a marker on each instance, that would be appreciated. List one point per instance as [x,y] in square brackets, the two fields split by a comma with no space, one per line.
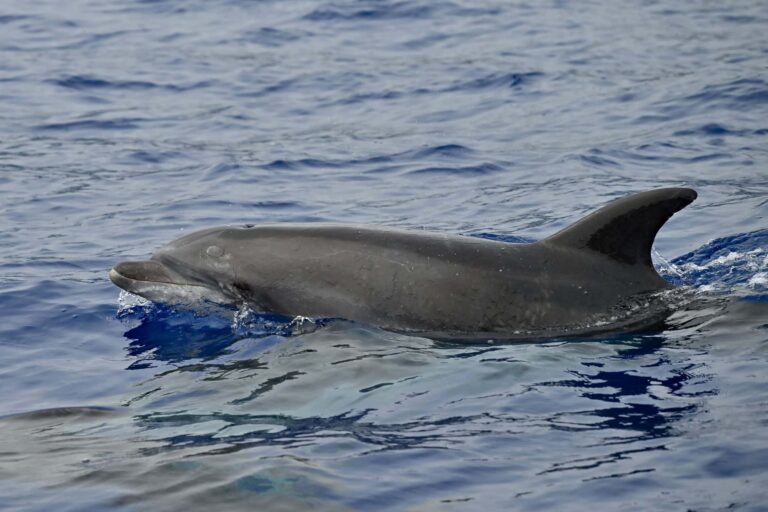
[624,229]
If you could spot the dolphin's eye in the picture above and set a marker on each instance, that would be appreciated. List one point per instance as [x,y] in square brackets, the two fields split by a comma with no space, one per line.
[214,251]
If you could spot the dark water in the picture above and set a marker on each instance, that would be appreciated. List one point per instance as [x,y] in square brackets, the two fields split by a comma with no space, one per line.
[124,124]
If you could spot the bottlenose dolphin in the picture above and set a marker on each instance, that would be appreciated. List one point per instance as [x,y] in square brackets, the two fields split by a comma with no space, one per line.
[577,281]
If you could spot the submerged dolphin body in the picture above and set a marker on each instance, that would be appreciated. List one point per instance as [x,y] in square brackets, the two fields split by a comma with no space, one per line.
[435,284]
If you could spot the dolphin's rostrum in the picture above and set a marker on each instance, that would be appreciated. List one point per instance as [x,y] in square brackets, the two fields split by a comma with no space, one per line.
[411,281]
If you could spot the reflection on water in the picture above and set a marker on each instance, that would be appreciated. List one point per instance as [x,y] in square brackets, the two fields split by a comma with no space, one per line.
[295,421]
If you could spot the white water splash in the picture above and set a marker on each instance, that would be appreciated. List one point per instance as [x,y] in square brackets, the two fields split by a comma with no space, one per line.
[759,280]
[128,301]
[735,269]
[247,322]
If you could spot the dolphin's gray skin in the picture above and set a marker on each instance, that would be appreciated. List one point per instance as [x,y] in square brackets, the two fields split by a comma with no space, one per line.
[411,281]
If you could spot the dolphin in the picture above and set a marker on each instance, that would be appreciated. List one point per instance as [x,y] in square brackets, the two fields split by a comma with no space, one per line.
[591,277]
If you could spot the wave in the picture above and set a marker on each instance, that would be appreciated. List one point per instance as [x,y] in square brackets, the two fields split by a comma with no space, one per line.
[88,82]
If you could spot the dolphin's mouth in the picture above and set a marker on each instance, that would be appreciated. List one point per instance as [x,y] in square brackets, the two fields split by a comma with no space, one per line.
[156,282]
[127,273]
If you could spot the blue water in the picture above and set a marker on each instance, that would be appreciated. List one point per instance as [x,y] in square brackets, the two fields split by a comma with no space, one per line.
[125,124]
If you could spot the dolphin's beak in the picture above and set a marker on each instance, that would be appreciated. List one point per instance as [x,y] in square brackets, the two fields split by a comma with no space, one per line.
[154,281]
[128,274]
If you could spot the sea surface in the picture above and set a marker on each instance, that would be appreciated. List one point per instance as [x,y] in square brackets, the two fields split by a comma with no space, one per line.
[125,124]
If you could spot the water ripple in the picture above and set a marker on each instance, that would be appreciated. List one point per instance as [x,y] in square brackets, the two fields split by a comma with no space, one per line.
[126,125]
[85,82]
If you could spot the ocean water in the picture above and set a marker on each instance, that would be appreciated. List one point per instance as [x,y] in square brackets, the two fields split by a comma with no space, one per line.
[127,124]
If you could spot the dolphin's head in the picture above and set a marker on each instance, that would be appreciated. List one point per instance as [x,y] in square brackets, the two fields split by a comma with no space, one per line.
[196,267]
